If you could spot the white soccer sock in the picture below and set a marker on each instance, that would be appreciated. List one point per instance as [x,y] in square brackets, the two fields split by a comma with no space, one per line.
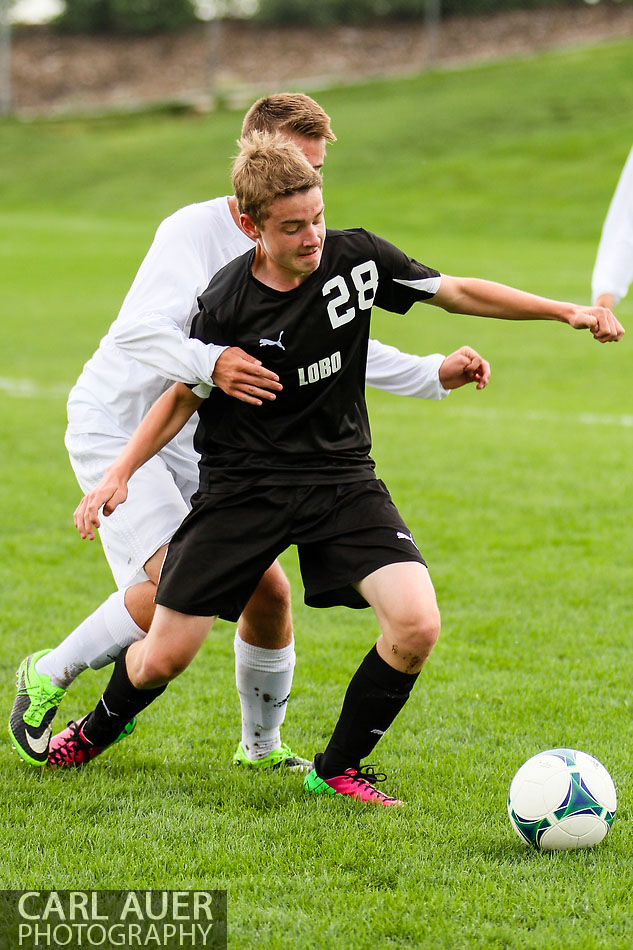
[97,641]
[263,679]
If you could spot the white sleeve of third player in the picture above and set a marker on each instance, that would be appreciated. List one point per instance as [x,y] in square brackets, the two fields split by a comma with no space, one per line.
[154,321]
[404,374]
[613,270]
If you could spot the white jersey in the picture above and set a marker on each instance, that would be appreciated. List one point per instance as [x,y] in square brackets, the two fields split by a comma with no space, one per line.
[613,270]
[148,345]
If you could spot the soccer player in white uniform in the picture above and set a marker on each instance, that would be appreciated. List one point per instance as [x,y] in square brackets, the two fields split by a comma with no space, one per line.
[613,270]
[146,348]
[298,471]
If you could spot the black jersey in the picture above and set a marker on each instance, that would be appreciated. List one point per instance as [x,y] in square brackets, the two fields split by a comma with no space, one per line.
[315,338]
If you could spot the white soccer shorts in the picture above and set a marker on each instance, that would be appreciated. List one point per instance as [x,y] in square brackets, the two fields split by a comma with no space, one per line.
[159,497]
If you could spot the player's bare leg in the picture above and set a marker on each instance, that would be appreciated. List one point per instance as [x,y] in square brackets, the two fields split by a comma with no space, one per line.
[171,644]
[403,599]
[266,620]
[404,602]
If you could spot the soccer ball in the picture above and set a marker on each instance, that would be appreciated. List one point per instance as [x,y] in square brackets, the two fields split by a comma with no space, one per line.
[562,799]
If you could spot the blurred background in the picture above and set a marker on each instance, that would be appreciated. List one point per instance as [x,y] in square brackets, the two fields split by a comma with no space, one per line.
[61,55]
[486,138]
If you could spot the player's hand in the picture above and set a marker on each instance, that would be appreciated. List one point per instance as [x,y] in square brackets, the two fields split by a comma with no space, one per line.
[108,494]
[463,367]
[240,375]
[604,326]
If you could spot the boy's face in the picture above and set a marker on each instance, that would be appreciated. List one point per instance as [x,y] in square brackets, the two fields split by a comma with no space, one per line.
[291,238]
[313,147]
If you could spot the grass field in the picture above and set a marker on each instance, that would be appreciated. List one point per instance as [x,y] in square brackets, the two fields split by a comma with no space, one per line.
[520,497]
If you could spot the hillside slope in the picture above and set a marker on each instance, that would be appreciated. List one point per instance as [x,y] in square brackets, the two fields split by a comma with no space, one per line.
[52,73]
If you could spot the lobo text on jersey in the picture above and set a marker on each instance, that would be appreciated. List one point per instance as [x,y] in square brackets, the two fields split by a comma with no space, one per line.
[321,369]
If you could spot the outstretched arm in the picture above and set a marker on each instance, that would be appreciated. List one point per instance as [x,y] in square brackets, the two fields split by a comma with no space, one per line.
[484,298]
[425,377]
[403,374]
[164,420]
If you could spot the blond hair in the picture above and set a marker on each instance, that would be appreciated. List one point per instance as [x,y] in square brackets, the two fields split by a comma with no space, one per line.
[269,166]
[289,112]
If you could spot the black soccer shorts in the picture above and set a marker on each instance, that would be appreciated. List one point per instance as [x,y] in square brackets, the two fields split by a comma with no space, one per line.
[343,533]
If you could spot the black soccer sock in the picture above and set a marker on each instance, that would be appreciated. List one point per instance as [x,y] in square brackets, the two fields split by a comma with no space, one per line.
[373,699]
[121,701]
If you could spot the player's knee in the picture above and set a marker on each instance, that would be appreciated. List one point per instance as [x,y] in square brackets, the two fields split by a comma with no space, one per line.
[272,596]
[157,669]
[278,591]
[277,602]
[417,631]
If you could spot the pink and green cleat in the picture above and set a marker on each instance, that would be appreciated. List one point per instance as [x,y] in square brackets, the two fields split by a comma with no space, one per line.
[70,748]
[355,783]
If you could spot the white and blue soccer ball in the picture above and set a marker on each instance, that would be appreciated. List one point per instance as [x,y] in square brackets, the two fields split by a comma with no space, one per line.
[562,799]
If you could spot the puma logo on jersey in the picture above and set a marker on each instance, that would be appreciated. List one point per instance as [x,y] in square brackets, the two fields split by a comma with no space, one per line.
[319,370]
[265,342]
[407,537]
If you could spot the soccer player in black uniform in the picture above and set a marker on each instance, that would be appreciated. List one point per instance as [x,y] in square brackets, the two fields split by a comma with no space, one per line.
[297,470]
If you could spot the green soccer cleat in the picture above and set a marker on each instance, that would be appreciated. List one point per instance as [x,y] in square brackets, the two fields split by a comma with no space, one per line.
[33,711]
[281,758]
